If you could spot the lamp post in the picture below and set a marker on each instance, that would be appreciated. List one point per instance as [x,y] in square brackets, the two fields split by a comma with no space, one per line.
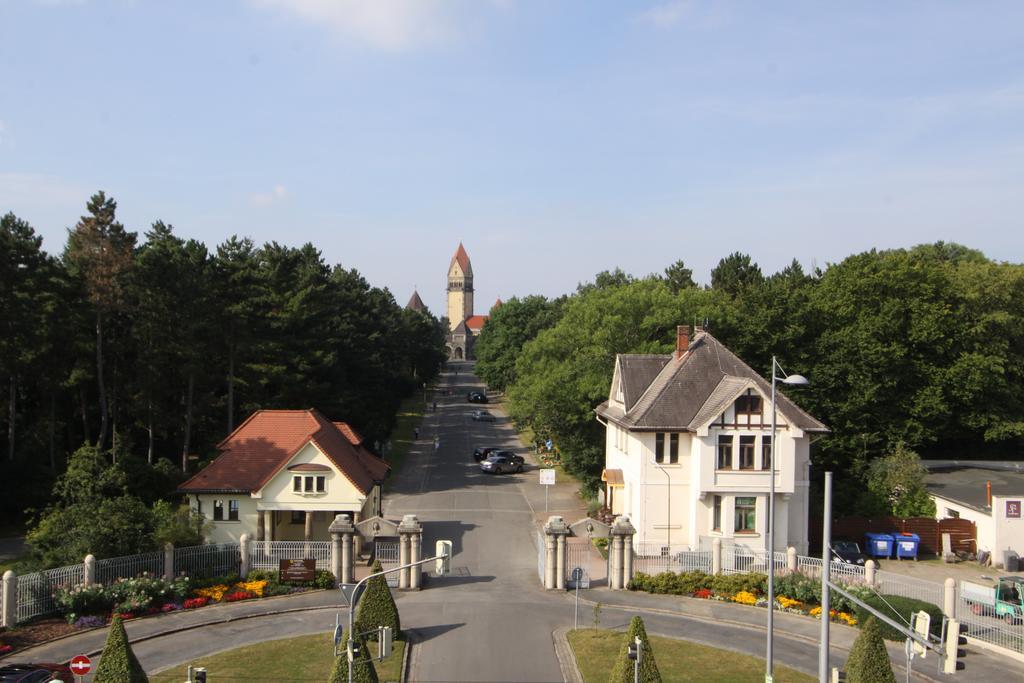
[770,546]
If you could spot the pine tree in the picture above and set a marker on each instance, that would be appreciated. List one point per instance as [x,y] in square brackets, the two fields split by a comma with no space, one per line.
[118,663]
[363,670]
[622,672]
[377,606]
[869,661]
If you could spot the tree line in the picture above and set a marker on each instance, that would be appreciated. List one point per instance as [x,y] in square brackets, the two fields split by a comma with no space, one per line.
[151,350]
[916,350]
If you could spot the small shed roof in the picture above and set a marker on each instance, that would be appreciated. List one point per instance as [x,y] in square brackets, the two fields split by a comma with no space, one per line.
[966,485]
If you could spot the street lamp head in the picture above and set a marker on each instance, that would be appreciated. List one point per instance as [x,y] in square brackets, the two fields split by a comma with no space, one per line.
[795,379]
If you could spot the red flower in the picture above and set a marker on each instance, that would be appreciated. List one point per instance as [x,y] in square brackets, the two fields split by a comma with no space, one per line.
[193,603]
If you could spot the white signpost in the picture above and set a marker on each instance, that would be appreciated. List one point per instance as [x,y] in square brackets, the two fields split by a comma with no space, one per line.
[547,478]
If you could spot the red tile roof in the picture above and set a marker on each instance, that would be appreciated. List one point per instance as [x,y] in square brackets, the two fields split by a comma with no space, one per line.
[268,439]
[415,302]
[463,259]
[476,322]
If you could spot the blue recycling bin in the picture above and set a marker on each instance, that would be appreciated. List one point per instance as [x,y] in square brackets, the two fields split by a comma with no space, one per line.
[906,544]
[878,545]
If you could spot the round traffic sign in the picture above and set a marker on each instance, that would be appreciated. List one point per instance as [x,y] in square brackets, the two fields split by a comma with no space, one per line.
[80,665]
[577,574]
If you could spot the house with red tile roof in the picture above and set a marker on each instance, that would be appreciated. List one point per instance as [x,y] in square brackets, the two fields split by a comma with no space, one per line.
[283,475]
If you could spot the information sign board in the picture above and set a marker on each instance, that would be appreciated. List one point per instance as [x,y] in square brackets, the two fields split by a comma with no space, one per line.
[547,477]
[297,570]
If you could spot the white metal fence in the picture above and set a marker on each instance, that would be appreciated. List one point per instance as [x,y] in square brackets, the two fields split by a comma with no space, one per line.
[985,626]
[36,590]
[654,558]
[888,583]
[127,566]
[268,554]
[387,553]
[213,559]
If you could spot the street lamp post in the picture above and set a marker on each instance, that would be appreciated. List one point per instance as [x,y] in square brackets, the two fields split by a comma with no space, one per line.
[770,545]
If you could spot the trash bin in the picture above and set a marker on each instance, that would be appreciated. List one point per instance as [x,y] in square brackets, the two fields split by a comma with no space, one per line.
[878,545]
[906,544]
[1011,561]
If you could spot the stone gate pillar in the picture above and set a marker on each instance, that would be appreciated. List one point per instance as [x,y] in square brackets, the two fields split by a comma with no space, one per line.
[621,570]
[409,534]
[341,531]
[89,570]
[555,532]
[9,618]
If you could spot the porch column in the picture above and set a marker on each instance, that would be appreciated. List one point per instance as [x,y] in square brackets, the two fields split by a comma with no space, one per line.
[261,529]
[309,526]
[341,531]
[410,534]
[268,529]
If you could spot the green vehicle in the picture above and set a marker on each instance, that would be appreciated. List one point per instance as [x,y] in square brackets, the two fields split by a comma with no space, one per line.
[1002,601]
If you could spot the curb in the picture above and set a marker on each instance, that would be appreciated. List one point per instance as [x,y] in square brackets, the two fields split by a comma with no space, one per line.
[566,659]
[410,640]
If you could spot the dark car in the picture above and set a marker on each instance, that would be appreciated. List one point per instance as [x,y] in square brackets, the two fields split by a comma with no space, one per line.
[476,397]
[35,673]
[500,462]
[848,552]
[481,452]
[482,416]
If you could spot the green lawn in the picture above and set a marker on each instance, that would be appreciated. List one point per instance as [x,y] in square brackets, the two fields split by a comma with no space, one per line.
[306,658]
[679,661]
[410,415]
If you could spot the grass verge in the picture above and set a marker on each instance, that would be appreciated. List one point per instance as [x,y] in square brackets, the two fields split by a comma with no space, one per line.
[305,658]
[410,416]
[679,661]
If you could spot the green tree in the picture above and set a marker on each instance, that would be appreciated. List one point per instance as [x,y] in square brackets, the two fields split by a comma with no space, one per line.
[735,273]
[896,482]
[679,277]
[622,670]
[118,663]
[869,661]
[514,323]
[99,253]
[363,670]
[180,525]
[377,606]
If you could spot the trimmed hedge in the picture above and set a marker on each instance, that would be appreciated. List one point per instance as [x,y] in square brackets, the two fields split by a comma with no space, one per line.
[688,583]
[899,609]
[363,670]
[869,661]
[118,663]
[622,671]
[377,606]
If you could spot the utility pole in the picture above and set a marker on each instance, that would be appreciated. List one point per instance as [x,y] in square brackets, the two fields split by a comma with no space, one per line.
[826,563]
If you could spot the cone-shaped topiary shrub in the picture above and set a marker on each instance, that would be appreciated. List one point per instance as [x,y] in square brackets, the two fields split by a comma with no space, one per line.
[868,661]
[377,606]
[362,667]
[622,671]
[118,663]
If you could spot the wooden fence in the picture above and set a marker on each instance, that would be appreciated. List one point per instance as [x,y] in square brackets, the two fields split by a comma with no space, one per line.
[963,532]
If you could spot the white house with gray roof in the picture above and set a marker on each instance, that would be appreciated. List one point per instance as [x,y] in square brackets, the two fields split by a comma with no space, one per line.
[688,449]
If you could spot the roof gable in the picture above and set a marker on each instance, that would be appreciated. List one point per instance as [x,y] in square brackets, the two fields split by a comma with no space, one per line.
[461,258]
[264,444]
[695,386]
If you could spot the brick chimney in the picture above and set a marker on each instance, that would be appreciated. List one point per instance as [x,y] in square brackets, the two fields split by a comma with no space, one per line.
[682,340]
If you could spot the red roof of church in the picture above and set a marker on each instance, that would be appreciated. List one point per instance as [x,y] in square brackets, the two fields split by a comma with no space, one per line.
[463,258]
[476,322]
[415,302]
[268,439]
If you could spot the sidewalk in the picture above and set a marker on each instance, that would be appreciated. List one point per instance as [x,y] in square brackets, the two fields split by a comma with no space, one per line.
[91,642]
[981,665]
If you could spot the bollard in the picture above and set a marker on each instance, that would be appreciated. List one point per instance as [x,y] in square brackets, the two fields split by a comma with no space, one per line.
[869,572]
[949,598]
[791,559]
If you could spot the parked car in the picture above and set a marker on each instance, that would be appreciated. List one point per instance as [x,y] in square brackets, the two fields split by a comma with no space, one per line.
[35,673]
[500,462]
[476,397]
[848,552]
[482,416]
[481,452]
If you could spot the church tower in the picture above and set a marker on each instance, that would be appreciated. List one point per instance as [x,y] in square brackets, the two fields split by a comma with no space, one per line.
[460,288]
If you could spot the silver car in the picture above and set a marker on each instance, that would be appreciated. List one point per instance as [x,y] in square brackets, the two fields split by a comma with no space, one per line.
[482,416]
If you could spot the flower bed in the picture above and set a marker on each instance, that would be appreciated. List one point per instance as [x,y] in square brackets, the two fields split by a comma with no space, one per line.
[795,593]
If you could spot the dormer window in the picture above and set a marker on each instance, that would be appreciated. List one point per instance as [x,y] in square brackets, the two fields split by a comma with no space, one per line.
[749,405]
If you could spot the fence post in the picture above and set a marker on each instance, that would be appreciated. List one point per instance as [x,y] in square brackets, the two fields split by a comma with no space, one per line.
[869,572]
[10,598]
[243,550]
[409,533]
[341,531]
[622,560]
[169,561]
[554,559]
[89,570]
[791,559]
[949,598]
[716,556]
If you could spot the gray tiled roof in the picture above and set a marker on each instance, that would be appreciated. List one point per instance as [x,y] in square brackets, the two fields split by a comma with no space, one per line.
[690,391]
[966,485]
[637,372]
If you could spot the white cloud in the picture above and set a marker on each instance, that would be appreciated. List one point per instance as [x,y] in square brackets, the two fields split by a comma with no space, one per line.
[386,24]
[278,194]
[668,14]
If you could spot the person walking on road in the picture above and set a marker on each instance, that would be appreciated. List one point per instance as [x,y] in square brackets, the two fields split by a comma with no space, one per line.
[437,443]
[416,433]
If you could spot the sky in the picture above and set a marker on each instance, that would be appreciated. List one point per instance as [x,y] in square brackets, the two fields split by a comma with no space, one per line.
[555,139]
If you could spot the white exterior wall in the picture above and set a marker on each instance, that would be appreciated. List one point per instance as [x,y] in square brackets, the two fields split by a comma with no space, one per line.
[1009,532]
[695,480]
[227,531]
[986,538]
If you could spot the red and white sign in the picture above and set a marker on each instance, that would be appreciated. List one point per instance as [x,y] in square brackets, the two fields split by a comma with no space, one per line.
[80,665]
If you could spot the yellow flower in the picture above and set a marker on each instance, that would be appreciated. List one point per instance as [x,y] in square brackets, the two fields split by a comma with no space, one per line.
[745,598]
[213,593]
[788,603]
[254,587]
